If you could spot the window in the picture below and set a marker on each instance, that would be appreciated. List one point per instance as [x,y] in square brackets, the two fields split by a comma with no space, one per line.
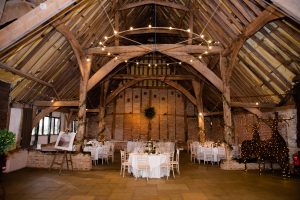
[74,126]
[47,125]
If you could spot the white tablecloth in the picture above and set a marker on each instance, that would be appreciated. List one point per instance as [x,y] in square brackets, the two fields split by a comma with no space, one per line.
[154,165]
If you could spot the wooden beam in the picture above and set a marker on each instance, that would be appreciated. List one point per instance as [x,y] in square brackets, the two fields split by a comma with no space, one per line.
[28,22]
[42,114]
[108,67]
[120,89]
[191,27]
[77,49]
[82,99]
[138,31]
[182,90]
[56,103]
[2,6]
[199,66]
[212,114]
[25,75]
[158,77]
[192,49]
[160,3]
[268,15]
[252,105]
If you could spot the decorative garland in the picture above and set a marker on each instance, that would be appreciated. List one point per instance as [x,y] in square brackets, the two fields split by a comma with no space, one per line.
[149,112]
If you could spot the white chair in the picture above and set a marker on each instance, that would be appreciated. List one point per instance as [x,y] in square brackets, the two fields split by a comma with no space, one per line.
[124,163]
[168,164]
[94,155]
[111,152]
[142,166]
[221,154]
[175,163]
[208,155]
[103,153]
[193,152]
[200,154]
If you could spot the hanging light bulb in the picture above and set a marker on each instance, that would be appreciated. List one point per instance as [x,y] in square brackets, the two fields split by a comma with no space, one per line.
[179,63]
[108,53]
[149,65]
[209,47]
[103,48]
[200,57]
[105,37]
[206,52]
[202,36]
[150,26]
[115,32]
[100,43]
[131,28]
[170,28]
[189,30]
[125,61]
[209,41]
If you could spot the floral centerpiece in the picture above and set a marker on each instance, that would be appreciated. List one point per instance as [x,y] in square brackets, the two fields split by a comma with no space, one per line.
[150,147]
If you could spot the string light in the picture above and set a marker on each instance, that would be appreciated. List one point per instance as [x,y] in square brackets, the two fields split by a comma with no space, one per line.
[208,42]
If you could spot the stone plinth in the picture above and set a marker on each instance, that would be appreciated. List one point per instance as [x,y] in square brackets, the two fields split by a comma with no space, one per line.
[37,159]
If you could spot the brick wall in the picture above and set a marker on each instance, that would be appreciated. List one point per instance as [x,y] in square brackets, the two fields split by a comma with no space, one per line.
[37,159]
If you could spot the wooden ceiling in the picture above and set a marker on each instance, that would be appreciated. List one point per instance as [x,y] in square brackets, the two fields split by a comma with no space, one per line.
[260,42]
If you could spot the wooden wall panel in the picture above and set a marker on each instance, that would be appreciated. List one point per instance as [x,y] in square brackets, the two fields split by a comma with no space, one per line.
[127,127]
[171,102]
[128,100]
[120,105]
[163,127]
[119,121]
[180,128]
[144,127]
[163,99]
[171,127]
[179,104]
[136,95]
[136,126]
[145,97]
[155,128]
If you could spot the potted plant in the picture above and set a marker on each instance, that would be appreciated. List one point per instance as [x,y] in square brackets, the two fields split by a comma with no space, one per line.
[7,138]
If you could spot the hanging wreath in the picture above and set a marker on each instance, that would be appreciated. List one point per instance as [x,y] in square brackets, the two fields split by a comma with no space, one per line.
[149,112]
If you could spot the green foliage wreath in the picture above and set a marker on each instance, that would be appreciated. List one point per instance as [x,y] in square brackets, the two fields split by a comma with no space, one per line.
[149,112]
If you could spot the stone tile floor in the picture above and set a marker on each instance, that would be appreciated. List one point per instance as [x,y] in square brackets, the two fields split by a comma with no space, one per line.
[105,183]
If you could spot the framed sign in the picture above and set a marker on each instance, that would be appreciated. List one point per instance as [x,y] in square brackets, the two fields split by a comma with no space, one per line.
[65,141]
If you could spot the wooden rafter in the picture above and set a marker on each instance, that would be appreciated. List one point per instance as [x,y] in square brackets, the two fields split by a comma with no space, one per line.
[156,77]
[193,49]
[199,66]
[268,15]
[56,103]
[30,21]
[108,67]
[161,3]
[77,49]
[2,5]
[43,113]
[25,75]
